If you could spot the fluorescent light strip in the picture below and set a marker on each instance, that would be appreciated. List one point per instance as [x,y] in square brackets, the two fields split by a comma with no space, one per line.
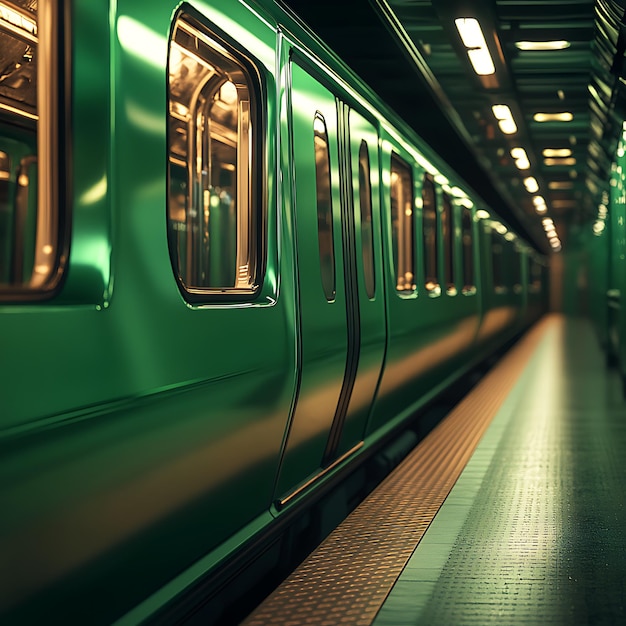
[563,204]
[540,205]
[542,45]
[473,39]
[521,158]
[563,116]
[560,161]
[8,107]
[557,152]
[560,184]
[531,184]
[505,118]
[470,32]
[481,61]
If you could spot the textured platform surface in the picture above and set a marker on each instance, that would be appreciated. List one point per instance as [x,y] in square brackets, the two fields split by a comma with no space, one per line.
[534,531]
[348,578]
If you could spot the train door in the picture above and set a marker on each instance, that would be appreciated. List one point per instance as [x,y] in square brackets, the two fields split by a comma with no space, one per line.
[362,209]
[329,419]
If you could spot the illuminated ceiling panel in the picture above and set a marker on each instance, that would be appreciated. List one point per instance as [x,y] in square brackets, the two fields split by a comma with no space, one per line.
[430,67]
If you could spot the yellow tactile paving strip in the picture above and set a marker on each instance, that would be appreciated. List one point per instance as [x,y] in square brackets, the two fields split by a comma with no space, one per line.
[347,578]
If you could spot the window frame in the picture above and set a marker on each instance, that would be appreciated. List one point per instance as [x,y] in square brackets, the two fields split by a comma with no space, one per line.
[431,250]
[534,274]
[220,44]
[368,260]
[408,231]
[327,237]
[498,259]
[517,278]
[448,240]
[467,245]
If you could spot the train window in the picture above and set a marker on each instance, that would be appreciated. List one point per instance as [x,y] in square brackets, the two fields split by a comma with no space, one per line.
[402,204]
[367,233]
[497,259]
[429,219]
[32,233]
[324,207]
[468,251]
[214,224]
[535,276]
[448,243]
[517,270]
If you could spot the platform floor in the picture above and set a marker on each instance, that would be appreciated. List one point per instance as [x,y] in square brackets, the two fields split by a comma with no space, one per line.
[531,530]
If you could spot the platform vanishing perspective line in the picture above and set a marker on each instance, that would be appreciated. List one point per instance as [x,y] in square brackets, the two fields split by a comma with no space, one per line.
[349,576]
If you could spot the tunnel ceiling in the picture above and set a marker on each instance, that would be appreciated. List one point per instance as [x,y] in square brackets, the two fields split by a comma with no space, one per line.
[411,54]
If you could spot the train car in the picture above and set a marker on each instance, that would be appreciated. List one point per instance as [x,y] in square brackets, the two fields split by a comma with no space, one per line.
[229,275]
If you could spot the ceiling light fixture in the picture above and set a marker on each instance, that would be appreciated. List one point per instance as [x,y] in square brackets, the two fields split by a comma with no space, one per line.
[505,118]
[542,45]
[531,184]
[598,227]
[474,40]
[560,161]
[17,21]
[557,152]
[560,184]
[540,205]
[563,204]
[563,116]
[521,159]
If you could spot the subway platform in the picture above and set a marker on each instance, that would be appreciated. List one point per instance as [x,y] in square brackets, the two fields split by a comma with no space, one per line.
[511,511]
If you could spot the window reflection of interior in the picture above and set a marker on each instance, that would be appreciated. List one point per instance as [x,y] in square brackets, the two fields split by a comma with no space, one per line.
[496,263]
[367,233]
[468,252]
[429,218]
[517,271]
[30,234]
[448,244]
[535,276]
[18,59]
[211,221]
[402,216]
[324,207]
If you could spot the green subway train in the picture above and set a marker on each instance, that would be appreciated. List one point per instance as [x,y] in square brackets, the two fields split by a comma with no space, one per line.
[230,276]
